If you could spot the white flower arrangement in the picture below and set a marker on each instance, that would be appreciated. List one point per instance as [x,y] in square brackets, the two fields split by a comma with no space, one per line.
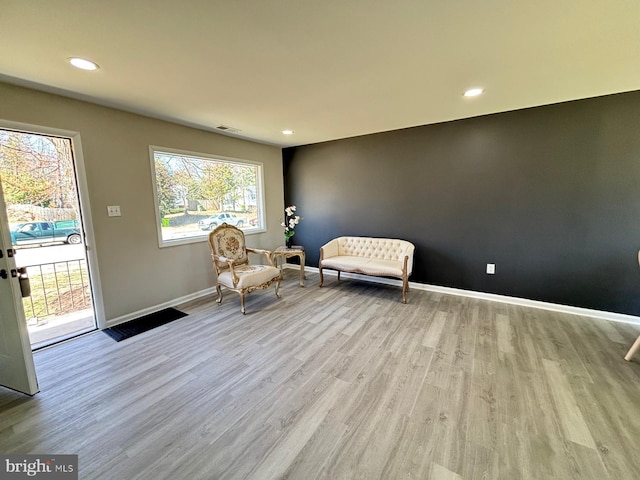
[290,222]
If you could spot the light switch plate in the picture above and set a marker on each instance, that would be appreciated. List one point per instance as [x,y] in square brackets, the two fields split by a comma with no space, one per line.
[114,210]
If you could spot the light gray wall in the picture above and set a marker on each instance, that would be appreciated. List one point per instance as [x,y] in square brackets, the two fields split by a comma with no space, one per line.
[135,273]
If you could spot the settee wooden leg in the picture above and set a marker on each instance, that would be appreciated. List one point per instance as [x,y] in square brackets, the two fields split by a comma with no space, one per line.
[405,289]
[278,288]
[338,275]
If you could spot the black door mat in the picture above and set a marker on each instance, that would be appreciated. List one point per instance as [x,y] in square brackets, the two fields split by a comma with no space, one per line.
[143,324]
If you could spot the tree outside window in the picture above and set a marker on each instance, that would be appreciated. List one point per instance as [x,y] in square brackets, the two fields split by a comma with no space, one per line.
[193,191]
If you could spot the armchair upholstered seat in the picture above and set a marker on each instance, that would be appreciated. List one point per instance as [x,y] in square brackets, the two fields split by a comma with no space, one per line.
[230,257]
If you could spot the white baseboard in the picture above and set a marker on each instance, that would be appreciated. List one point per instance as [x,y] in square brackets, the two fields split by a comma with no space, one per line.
[171,303]
[524,302]
[585,312]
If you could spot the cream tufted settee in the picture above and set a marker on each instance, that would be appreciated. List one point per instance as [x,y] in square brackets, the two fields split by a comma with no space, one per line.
[381,257]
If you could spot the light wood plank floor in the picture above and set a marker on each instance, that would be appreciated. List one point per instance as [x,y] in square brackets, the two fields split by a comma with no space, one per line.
[341,382]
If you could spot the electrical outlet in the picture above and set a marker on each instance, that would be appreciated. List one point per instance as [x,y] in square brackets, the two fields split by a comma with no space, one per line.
[114,210]
[491,268]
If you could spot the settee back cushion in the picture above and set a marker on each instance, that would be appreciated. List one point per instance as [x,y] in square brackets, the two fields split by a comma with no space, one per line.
[380,248]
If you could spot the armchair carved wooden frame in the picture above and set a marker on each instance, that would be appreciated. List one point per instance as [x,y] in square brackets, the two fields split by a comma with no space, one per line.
[635,348]
[230,257]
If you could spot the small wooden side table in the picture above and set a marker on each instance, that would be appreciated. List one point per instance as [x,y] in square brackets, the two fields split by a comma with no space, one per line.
[295,251]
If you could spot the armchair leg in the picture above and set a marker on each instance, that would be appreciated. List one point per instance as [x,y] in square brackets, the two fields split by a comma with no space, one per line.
[321,276]
[219,290]
[633,350]
[278,288]
[242,308]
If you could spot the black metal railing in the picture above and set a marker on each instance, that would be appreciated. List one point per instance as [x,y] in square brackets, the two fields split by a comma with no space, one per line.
[57,289]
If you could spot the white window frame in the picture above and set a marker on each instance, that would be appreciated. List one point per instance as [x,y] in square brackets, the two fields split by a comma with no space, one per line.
[203,237]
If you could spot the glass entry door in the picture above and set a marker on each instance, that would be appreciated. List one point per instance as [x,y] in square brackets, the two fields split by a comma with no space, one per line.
[38,175]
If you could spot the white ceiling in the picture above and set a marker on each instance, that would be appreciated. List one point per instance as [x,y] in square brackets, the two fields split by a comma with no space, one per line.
[327,69]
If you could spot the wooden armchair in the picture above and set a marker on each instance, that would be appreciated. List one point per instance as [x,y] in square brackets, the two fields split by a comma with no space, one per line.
[636,345]
[230,257]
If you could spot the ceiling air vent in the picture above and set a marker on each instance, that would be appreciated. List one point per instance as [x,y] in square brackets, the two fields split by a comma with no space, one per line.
[226,128]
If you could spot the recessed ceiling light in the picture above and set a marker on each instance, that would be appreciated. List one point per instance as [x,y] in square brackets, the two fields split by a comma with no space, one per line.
[474,92]
[83,63]
[287,132]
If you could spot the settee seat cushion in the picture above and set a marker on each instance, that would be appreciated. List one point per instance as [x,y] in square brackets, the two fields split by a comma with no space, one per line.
[367,266]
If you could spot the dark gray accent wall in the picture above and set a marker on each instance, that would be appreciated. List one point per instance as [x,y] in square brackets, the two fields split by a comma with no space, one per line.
[550,194]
